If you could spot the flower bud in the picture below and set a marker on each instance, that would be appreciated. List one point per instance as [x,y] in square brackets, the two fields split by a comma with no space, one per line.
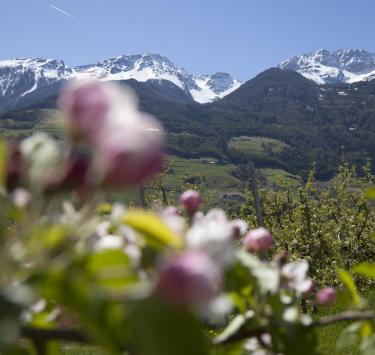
[130,153]
[86,104]
[326,296]
[191,200]
[258,240]
[191,278]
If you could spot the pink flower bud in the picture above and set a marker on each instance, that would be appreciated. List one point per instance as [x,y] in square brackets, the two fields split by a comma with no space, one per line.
[191,200]
[326,296]
[258,240]
[86,104]
[190,278]
[131,152]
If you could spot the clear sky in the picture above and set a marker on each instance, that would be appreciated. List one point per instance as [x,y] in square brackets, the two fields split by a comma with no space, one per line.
[242,37]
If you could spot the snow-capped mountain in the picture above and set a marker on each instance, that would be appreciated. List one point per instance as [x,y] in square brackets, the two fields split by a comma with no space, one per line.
[333,67]
[144,67]
[28,79]
[22,81]
[208,88]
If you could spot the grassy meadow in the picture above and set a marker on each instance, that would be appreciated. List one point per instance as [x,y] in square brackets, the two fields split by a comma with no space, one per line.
[262,146]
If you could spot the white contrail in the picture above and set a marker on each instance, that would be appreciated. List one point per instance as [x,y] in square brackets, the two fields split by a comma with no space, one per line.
[64,12]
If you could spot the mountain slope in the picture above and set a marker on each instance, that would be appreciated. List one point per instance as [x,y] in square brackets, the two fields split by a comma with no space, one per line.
[333,67]
[319,123]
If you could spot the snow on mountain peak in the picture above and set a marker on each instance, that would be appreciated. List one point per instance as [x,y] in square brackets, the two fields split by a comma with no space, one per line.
[144,67]
[332,67]
[212,87]
[20,78]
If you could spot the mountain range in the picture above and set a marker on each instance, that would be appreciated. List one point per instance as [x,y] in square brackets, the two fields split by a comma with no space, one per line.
[25,81]
[22,81]
[318,120]
[333,67]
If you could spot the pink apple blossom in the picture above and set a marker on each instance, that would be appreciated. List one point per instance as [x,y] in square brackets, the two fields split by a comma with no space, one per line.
[130,152]
[326,296]
[86,104]
[258,240]
[191,201]
[189,279]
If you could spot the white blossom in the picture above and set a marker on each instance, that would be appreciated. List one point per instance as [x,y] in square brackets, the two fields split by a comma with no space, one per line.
[109,242]
[294,276]
[213,234]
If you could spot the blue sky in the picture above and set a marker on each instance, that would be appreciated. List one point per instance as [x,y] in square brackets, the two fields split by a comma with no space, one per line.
[242,37]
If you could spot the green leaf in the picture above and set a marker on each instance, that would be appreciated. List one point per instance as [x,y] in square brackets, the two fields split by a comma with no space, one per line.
[104,208]
[237,278]
[368,346]
[292,338]
[351,287]
[153,228]
[159,329]
[108,258]
[232,349]
[111,269]
[239,328]
[9,320]
[349,336]
[47,236]
[238,301]
[232,329]
[365,269]
[53,348]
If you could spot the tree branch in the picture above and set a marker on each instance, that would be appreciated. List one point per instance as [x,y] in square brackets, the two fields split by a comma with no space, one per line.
[72,335]
[342,317]
[41,334]
[244,333]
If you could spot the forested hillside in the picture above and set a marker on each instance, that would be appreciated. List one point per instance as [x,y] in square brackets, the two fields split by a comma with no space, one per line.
[313,123]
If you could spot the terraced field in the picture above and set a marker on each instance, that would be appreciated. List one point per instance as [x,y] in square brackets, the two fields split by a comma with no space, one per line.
[205,170]
[277,176]
[260,146]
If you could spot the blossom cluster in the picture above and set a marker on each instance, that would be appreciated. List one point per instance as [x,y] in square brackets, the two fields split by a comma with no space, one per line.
[194,277]
[189,259]
[111,143]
